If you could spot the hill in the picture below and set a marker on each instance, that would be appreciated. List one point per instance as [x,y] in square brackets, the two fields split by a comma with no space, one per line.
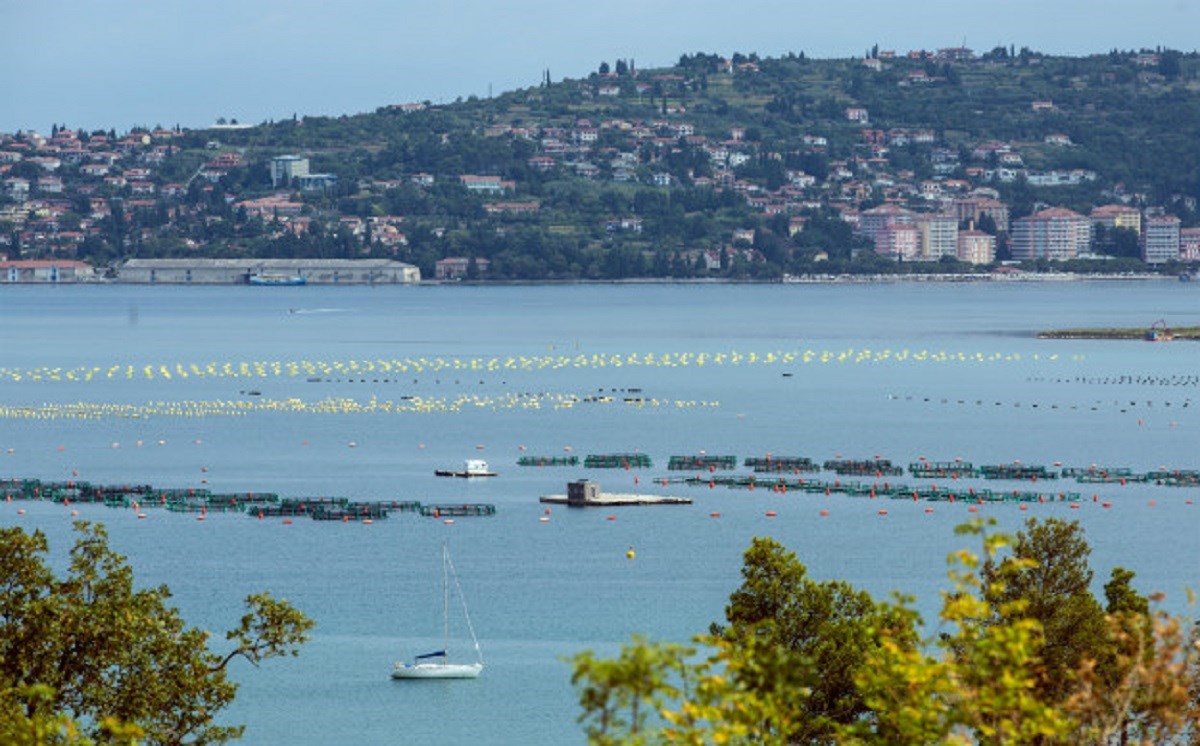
[735,167]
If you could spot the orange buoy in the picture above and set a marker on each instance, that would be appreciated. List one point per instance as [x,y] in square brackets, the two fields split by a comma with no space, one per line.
[771,514]
[1152,503]
[928,510]
[141,515]
[714,514]
[824,512]
[973,509]
[1024,507]
[1106,505]
[287,521]
[611,518]
[883,512]
[1074,506]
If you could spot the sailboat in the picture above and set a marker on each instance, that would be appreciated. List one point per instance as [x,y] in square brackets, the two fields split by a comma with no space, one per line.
[437,665]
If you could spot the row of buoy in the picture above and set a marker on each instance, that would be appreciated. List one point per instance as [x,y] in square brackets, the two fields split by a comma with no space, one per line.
[326,406]
[1094,406]
[1176,379]
[309,369]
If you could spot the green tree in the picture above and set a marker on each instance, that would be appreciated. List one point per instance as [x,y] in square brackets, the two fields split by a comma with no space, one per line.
[979,682]
[1048,572]
[977,686]
[828,624]
[93,649]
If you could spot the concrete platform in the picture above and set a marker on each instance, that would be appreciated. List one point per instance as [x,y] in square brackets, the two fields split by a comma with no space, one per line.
[611,499]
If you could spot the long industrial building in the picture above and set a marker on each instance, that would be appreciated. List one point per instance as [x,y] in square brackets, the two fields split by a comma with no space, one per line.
[272,271]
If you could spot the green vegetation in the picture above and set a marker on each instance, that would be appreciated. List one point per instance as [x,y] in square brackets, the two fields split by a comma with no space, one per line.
[1025,655]
[90,659]
[1183,332]
[741,168]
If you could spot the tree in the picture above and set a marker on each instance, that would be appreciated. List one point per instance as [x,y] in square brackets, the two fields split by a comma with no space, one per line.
[1050,575]
[92,649]
[829,625]
[980,688]
[979,682]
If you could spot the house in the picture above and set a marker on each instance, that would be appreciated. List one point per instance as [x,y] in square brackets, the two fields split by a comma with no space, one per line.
[490,184]
[856,114]
[458,267]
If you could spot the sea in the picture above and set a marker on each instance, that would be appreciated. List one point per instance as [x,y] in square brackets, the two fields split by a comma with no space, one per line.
[363,392]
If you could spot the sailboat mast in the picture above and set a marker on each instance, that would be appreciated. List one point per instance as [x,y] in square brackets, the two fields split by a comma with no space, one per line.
[445,599]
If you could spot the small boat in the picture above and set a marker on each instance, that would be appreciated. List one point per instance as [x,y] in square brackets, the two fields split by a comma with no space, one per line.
[271,279]
[472,467]
[437,665]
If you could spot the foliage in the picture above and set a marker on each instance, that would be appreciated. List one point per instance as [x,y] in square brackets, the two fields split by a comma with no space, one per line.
[990,677]
[92,649]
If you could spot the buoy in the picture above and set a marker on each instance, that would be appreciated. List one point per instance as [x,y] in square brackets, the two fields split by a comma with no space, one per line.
[352,444]
[543,519]
[824,513]
[141,515]
[973,509]
[20,511]
[883,512]
[448,521]
[928,510]
[1023,507]
[287,521]
[630,554]
[771,514]
[714,514]
[74,512]
[367,521]
[1152,503]
[200,517]
[1074,506]
[1106,505]
[611,518]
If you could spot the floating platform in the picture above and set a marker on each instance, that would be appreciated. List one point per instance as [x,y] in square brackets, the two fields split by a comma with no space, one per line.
[617,461]
[614,499]
[701,462]
[781,464]
[548,461]
[457,510]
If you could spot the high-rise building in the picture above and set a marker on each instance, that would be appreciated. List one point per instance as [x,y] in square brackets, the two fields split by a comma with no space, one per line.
[976,247]
[938,236]
[1161,240]
[1055,233]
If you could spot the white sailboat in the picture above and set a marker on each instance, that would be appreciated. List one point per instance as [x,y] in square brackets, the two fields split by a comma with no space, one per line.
[437,665]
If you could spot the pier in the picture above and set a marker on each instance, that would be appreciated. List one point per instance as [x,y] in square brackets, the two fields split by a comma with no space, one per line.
[584,493]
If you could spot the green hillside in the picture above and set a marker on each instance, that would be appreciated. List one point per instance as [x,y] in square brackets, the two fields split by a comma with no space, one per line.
[738,168]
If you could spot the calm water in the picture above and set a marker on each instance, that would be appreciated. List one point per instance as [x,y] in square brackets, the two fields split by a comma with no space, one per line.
[899,371]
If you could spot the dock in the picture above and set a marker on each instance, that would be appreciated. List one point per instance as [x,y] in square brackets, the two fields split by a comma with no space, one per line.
[613,499]
[584,494]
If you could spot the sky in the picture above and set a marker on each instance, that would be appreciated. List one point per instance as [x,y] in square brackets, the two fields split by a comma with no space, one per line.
[117,64]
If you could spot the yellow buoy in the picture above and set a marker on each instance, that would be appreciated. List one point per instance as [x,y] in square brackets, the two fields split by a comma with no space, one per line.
[630,554]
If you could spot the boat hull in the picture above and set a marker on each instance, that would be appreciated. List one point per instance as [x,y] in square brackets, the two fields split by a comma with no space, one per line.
[437,670]
[271,280]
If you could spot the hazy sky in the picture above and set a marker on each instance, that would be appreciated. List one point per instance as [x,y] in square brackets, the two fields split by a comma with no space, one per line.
[120,63]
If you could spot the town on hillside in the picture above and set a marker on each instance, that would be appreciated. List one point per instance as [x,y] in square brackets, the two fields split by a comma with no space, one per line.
[931,161]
